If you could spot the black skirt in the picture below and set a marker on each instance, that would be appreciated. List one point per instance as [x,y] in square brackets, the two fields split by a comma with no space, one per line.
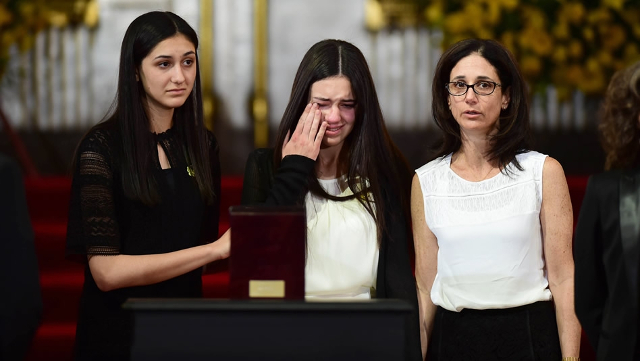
[527,333]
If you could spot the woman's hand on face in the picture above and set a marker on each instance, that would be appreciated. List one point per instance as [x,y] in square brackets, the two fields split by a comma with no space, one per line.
[307,136]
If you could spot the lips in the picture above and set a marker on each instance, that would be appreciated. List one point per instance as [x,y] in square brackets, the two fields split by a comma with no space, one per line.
[472,112]
[334,128]
[176,90]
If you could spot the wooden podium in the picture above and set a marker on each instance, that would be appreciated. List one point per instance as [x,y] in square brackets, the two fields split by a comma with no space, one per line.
[208,329]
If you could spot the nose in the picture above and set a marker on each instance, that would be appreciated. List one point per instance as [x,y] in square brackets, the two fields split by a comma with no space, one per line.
[177,77]
[332,114]
[470,96]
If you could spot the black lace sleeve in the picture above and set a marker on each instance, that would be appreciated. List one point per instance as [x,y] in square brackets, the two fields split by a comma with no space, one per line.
[211,219]
[286,186]
[92,227]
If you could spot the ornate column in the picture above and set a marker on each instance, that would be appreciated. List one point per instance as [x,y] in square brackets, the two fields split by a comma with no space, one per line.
[259,103]
[205,57]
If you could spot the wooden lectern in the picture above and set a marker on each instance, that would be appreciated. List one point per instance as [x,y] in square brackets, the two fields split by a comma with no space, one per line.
[207,329]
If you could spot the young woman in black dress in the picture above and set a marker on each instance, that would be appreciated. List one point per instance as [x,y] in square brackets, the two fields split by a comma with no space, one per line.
[146,188]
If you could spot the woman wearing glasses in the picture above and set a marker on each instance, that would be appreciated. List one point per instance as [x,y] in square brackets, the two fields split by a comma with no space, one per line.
[492,221]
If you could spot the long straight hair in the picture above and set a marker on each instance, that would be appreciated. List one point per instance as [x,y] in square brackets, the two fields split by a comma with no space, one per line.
[372,163]
[138,147]
[514,132]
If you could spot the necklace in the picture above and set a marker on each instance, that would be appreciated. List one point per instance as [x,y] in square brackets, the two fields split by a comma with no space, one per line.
[468,171]
[486,175]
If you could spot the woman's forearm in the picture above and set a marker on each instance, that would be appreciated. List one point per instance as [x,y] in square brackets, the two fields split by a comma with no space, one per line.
[556,219]
[114,272]
[569,329]
[427,314]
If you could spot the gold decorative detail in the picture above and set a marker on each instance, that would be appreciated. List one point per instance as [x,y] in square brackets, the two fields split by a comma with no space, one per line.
[380,14]
[267,289]
[91,13]
[58,19]
[260,107]
[63,78]
[260,104]
[49,73]
[190,171]
[374,18]
[205,57]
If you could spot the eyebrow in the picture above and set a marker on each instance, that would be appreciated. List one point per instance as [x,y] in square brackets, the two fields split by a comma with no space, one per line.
[481,77]
[191,52]
[327,99]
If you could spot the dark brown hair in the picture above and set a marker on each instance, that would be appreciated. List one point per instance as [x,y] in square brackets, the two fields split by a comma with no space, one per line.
[137,144]
[514,133]
[368,154]
[619,132]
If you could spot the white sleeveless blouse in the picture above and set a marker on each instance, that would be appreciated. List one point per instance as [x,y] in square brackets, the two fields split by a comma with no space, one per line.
[342,246]
[489,235]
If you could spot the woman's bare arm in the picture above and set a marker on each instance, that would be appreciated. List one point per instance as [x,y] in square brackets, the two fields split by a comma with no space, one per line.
[426,247]
[113,272]
[556,217]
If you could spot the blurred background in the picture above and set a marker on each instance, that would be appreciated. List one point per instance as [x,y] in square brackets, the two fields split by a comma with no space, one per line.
[58,74]
[59,59]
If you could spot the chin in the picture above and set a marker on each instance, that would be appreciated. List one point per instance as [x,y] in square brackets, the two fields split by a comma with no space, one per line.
[331,144]
[175,104]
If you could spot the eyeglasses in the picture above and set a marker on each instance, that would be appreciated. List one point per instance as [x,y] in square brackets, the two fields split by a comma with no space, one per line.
[459,88]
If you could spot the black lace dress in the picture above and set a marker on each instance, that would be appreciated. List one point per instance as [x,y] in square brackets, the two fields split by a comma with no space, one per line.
[102,221]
